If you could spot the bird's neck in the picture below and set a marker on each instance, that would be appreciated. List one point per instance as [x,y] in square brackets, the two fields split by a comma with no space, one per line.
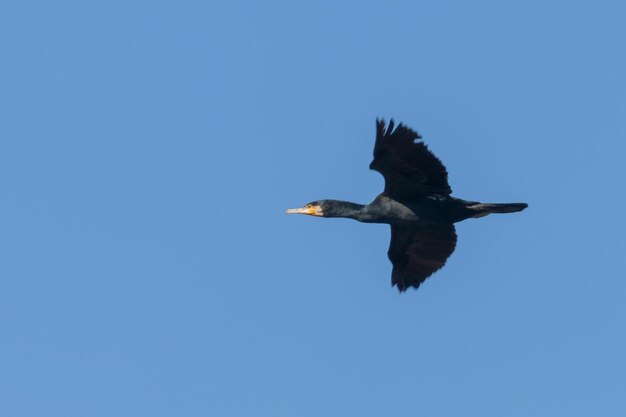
[346,209]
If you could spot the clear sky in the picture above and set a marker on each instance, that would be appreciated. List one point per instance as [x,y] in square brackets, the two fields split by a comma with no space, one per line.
[148,150]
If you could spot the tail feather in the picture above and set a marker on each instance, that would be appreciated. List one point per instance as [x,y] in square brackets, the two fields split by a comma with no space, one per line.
[483,209]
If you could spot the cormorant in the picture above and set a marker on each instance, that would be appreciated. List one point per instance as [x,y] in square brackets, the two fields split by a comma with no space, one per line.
[416,203]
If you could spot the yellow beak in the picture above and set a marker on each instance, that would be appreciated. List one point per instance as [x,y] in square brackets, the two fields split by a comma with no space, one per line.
[311,211]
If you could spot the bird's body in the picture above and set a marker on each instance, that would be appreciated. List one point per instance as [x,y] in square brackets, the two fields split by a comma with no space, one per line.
[416,203]
[384,209]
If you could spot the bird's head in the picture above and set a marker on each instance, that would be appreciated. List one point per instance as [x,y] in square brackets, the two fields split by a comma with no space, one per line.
[314,208]
[329,208]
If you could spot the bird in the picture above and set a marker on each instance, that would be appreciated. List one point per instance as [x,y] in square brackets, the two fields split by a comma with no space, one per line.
[416,202]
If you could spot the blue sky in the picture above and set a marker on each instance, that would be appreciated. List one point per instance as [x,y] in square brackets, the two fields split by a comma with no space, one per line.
[148,151]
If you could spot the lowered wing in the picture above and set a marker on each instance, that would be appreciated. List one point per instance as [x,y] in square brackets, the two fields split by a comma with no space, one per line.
[417,251]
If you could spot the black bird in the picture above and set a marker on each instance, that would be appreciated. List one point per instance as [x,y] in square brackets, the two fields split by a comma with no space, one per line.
[416,203]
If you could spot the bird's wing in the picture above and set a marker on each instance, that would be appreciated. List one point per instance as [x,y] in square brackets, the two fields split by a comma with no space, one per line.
[417,251]
[409,168]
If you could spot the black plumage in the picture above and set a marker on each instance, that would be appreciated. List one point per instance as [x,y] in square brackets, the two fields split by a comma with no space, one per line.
[416,203]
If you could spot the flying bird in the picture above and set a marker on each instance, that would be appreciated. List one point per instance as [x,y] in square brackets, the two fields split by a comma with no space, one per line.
[416,203]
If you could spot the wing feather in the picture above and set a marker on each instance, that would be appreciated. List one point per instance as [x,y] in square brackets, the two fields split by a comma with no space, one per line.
[410,169]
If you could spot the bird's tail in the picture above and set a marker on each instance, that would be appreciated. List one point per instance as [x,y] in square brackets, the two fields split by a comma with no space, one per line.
[483,209]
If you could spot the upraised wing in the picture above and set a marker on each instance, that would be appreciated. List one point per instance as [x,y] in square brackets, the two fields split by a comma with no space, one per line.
[409,168]
[417,251]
